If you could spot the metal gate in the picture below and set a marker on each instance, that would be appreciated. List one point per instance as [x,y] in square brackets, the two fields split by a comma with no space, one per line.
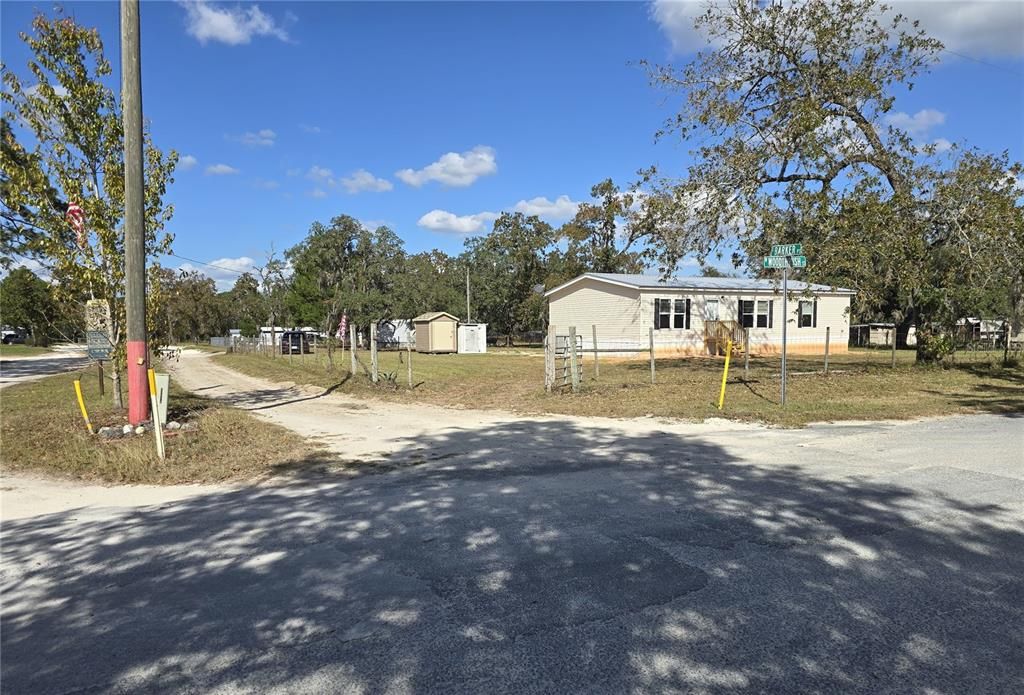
[565,361]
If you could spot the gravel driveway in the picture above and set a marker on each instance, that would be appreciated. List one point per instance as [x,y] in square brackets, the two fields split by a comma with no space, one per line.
[520,555]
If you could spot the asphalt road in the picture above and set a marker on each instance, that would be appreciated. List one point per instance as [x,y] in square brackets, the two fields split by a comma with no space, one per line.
[14,370]
[552,556]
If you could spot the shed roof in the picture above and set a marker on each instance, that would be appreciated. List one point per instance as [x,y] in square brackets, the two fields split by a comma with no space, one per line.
[639,281]
[432,315]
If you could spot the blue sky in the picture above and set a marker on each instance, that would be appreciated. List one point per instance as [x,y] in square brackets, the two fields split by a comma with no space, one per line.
[431,117]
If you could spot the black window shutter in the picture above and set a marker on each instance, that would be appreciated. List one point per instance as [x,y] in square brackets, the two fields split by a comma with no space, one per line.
[687,313]
[771,312]
[657,308]
[814,314]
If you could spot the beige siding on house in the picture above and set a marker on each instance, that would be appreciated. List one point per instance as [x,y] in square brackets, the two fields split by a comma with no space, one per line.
[613,309]
[624,317]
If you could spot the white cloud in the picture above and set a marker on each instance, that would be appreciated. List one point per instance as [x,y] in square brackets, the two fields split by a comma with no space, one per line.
[975,28]
[266,184]
[321,175]
[230,25]
[919,124]
[261,138]
[454,169]
[444,221]
[562,208]
[971,27]
[362,180]
[676,20]
[942,145]
[313,129]
[223,271]
[295,171]
[220,170]
[318,193]
[187,162]
[57,90]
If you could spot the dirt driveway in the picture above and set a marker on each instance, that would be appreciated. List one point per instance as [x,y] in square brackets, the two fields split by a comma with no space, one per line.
[542,555]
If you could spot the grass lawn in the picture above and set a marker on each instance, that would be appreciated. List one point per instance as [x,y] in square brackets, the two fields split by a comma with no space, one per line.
[22,350]
[860,385]
[41,431]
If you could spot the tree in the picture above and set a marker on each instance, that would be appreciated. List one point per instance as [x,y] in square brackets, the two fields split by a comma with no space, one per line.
[77,155]
[508,272]
[344,268]
[246,307]
[789,106]
[25,302]
[430,281]
[601,235]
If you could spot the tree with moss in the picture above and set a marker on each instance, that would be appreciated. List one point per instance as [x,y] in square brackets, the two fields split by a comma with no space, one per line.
[64,143]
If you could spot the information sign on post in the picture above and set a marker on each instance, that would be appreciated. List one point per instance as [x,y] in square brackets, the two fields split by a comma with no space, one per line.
[97,329]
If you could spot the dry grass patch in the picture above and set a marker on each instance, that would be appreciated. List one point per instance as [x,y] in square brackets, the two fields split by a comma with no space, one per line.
[41,431]
[861,385]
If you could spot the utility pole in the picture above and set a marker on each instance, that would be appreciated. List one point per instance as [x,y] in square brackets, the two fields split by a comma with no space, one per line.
[134,217]
[467,294]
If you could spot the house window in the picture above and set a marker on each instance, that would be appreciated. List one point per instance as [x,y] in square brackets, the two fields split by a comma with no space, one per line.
[807,315]
[747,314]
[681,315]
[711,309]
[757,313]
[671,313]
[662,313]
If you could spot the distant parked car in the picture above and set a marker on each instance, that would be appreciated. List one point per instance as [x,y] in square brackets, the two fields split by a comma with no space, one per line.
[13,335]
[294,343]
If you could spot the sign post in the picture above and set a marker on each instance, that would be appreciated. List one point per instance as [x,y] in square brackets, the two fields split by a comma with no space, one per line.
[785,256]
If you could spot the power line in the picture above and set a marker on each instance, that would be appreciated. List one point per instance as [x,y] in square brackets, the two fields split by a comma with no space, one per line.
[985,63]
[211,265]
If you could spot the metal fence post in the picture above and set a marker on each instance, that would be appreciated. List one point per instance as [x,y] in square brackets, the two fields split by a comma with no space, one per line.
[894,346]
[650,333]
[827,331]
[597,369]
[573,360]
[408,353]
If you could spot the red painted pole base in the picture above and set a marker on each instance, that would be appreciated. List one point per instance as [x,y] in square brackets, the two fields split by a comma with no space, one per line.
[138,382]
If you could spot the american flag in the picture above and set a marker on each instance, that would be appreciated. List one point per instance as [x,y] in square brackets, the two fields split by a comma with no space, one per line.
[342,326]
[76,218]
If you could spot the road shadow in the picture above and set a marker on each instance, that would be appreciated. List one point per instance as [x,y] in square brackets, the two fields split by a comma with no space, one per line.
[525,556]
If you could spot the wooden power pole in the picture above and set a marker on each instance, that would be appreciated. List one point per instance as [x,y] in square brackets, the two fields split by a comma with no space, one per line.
[134,214]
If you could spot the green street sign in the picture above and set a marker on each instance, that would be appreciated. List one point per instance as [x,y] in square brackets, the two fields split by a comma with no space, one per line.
[779,262]
[787,250]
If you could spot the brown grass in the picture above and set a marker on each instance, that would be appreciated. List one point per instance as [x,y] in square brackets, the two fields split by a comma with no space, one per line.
[861,385]
[41,430]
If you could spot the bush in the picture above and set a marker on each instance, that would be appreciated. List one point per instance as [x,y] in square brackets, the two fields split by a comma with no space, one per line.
[934,347]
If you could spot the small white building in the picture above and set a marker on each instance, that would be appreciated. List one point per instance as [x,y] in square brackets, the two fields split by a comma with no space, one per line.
[472,338]
[695,315]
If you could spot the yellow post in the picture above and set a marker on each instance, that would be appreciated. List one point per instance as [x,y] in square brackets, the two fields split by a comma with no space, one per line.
[81,404]
[158,427]
[725,374]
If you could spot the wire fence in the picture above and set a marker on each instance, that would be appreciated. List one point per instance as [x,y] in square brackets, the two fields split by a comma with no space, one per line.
[755,353]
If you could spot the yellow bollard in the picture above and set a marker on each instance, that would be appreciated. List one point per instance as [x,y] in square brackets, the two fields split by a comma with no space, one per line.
[81,404]
[725,374]
[158,427]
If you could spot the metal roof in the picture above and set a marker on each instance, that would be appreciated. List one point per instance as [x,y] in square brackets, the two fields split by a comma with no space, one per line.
[431,315]
[655,282]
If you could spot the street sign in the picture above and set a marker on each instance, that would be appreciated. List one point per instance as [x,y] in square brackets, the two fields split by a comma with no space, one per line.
[97,329]
[780,262]
[787,249]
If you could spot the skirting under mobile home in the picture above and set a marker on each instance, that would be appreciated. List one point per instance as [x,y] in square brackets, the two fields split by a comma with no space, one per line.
[697,315]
